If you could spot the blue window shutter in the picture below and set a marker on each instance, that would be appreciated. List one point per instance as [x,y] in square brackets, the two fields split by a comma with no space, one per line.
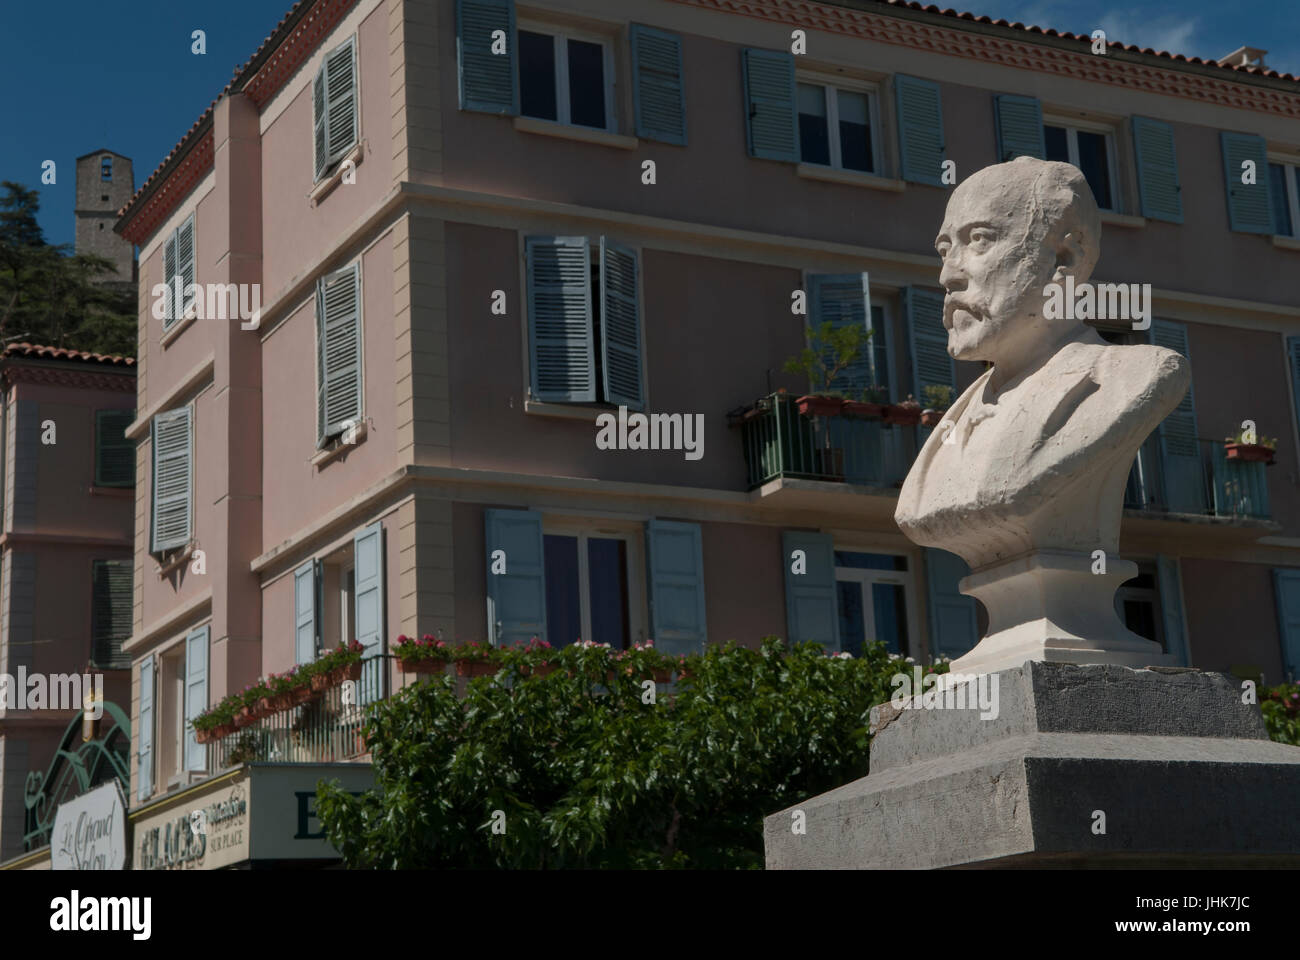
[675,563]
[845,300]
[771,120]
[489,82]
[657,85]
[368,579]
[563,358]
[172,313]
[1171,609]
[340,371]
[620,325]
[1180,455]
[1286,584]
[516,599]
[341,92]
[1293,355]
[1019,126]
[196,696]
[1157,169]
[953,621]
[185,265]
[811,606]
[928,341]
[920,130]
[320,123]
[173,477]
[114,450]
[1250,206]
[304,612]
[144,733]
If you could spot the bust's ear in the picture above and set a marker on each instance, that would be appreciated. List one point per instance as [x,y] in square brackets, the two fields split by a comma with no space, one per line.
[1069,258]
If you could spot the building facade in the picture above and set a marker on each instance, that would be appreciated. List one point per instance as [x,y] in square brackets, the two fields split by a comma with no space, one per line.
[65,578]
[105,183]
[476,226]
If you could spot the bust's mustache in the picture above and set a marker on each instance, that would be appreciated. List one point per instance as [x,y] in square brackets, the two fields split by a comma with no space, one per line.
[952,304]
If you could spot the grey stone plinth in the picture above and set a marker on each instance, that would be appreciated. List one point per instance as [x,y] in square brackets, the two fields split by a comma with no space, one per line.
[1182,770]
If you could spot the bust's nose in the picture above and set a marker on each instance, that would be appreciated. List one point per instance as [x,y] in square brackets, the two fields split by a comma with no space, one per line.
[952,276]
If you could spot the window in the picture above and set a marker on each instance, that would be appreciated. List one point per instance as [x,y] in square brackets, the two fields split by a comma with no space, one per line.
[567,78]
[872,600]
[144,732]
[1092,151]
[1283,189]
[584,322]
[178,273]
[1137,602]
[114,451]
[339,375]
[587,588]
[334,99]
[173,477]
[835,127]
[111,613]
[106,169]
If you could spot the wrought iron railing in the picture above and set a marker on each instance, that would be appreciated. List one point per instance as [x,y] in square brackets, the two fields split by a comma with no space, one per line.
[1207,484]
[325,729]
[778,441]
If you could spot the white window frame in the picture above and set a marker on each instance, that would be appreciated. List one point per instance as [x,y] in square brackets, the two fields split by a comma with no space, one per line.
[634,538]
[864,578]
[1151,594]
[1072,127]
[1291,175]
[563,107]
[850,85]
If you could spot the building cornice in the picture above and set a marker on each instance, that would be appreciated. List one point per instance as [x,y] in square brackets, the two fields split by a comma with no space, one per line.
[143,218]
[65,375]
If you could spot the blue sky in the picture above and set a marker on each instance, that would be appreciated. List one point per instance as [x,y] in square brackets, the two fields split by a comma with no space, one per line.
[80,75]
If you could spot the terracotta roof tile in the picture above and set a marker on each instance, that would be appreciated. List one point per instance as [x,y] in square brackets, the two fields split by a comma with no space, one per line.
[39,352]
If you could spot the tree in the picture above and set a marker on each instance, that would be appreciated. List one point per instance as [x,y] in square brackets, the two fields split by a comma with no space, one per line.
[50,296]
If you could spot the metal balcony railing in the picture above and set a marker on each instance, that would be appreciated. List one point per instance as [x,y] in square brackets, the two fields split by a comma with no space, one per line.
[778,441]
[325,729]
[1205,483]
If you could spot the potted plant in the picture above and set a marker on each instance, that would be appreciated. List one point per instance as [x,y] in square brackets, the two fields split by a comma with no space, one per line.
[475,660]
[533,659]
[1261,451]
[870,407]
[426,655]
[831,351]
[938,398]
[905,414]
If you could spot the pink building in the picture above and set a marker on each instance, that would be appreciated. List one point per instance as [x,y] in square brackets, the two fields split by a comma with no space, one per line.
[474,228]
[65,568]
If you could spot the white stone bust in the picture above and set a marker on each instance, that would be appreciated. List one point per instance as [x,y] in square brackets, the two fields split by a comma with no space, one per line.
[1033,458]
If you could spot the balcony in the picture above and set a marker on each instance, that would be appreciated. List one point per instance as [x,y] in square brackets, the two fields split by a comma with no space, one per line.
[787,450]
[326,729]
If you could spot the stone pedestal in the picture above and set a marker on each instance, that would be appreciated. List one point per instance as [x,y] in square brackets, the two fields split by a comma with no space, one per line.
[1182,772]
[1050,605]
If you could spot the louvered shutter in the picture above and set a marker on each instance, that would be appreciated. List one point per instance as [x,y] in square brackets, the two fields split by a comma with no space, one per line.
[1019,123]
[169,277]
[338,346]
[675,567]
[173,477]
[185,265]
[1157,168]
[844,299]
[320,122]
[304,609]
[1171,610]
[114,451]
[928,341]
[341,91]
[196,696]
[559,319]
[1184,474]
[1293,355]
[811,606]
[516,599]
[771,121]
[921,142]
[1250,206]
[1286,585]
[657,85]
[620,325]
[369,605]
[954,627]
[488,81]
[144,732]
[112,612]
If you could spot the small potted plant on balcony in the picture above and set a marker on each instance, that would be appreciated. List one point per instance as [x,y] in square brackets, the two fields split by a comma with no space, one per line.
[870,407]
[644,662]
[938,398]
[905,414]
[536,658]
[1261,451]
[831,350]
[476,660]
[426,655]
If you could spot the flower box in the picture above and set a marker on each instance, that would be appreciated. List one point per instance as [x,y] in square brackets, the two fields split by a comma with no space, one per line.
[204,736]
[903,414]
[931,418]
[245,718]
[341,675]
[541,669]
[423,665]
[863,410]
[476,668]
[321,682]
[663,676]
[301,695]
[223,731]
[815,406]
[1249,452]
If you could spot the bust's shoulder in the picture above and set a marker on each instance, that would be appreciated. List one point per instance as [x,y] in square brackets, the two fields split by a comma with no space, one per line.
[1139,367]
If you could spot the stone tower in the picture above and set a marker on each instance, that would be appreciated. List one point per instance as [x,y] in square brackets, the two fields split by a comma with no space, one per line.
[105,183]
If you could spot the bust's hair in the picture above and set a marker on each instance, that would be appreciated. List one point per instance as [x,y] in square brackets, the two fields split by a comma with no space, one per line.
[1060,201]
